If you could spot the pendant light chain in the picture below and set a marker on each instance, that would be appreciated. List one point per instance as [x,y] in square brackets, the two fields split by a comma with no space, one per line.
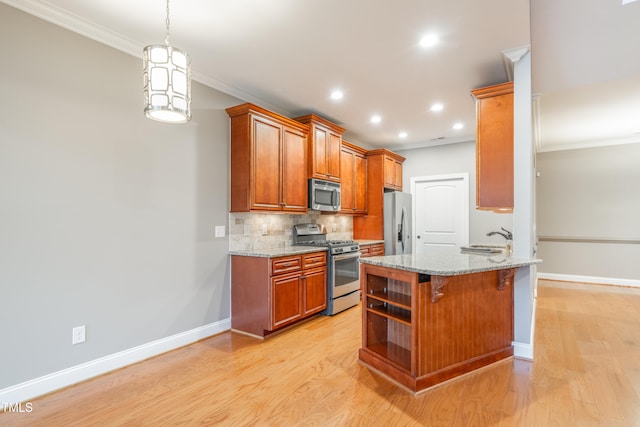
[166,39]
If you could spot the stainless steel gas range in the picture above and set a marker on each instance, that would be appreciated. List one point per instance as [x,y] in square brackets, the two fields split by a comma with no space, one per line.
[343,279]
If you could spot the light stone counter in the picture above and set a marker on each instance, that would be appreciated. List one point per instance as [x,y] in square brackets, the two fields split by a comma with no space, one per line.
[278,252]
[449,262]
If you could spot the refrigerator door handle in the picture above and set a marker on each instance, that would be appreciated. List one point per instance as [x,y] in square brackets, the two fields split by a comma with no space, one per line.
[401,231]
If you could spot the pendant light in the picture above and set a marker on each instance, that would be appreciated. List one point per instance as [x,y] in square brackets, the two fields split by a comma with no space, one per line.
[167,82]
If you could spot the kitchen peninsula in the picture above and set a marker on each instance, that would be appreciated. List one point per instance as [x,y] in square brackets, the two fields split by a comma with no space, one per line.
[430,317]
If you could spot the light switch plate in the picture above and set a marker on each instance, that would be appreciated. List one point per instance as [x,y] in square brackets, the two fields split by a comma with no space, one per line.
[220,231]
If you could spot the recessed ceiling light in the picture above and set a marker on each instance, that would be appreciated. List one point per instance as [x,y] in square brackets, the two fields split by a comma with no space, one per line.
[402,135]
[437,107]
[376,118]
[627,1]
[337,95]
[429,40]
[458,126]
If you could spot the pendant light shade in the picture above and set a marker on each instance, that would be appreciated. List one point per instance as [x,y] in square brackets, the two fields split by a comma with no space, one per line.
[167,82]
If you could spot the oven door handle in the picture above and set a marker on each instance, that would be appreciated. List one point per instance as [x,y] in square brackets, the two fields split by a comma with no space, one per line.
[346,256]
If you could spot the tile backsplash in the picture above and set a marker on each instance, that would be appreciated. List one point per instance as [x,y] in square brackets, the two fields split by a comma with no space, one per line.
[247,230]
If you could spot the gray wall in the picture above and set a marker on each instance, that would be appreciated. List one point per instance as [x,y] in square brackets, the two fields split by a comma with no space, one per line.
[451,159]
[590,193]
[107,217]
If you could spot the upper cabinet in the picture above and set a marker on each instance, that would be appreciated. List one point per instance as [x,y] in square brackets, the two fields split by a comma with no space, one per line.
[392,173]
[268,161]
[494,147]
[325,139]
[353,175]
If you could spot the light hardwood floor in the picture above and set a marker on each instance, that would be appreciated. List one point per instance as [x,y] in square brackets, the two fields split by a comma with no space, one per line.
[586,372]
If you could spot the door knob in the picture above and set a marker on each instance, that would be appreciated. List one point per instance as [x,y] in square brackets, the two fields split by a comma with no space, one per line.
[418,236]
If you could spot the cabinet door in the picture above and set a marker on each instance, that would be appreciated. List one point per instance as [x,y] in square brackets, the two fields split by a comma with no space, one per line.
[319,152]
[334,143]
[314,284]
[360,184]
[285,300]
[389,173]
[495,153]
[294,171]
[265,173]
[397,175]
[347,186]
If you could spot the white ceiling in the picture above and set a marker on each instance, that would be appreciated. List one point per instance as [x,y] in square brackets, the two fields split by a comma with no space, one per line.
[288,55]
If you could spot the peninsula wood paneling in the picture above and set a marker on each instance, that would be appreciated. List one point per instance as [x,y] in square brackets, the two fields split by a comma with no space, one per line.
[473,319]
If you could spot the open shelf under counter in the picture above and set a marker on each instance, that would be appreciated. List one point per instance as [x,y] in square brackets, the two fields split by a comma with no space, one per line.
[390,312]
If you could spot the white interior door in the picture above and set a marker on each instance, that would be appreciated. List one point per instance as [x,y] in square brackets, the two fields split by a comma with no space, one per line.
[441,211]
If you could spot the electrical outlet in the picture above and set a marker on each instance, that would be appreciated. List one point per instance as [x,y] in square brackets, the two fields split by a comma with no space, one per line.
[220,231]
[78,335]
[264,229]
[247,232]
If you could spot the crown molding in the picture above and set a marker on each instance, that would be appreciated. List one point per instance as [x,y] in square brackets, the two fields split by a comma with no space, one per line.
[633,139]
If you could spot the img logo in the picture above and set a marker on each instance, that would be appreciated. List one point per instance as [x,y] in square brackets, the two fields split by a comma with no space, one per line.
[16,407]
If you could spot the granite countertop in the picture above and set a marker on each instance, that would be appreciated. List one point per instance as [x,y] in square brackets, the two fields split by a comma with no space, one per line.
[278,252]
[368,242]
[449,262]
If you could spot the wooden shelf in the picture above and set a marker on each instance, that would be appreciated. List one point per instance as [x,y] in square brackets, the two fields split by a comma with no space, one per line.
[390,312]
[395,298]
[393,352]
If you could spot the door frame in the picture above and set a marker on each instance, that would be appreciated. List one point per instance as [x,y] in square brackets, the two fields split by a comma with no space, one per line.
[464,176]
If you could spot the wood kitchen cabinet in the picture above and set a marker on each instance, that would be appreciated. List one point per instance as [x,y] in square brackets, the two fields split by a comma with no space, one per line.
[494,147]
[268,294]
[392,173]
[353,175]
[384,171]
[325,140]
[268,161]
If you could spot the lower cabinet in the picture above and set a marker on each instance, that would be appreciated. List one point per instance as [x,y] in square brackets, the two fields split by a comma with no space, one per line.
[268,294]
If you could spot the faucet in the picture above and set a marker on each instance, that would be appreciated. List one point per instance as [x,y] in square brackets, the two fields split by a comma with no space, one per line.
[507,234]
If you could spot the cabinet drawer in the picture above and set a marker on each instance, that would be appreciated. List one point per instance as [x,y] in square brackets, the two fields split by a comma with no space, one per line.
[286,264]
[365,251]
[316,259]
[376,250]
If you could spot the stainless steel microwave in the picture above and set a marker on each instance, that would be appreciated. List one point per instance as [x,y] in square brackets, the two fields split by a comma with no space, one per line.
[324,195]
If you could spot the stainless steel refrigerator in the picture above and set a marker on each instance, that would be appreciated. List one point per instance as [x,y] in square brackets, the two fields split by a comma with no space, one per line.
[397,223]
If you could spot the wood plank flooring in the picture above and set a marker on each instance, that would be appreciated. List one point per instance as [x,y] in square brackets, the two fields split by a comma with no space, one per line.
[586,373]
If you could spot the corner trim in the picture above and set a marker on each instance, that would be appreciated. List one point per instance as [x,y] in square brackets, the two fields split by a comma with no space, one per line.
[511,56]
[75,374]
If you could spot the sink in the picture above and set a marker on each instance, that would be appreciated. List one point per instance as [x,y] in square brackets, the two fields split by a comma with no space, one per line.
[501,247]
[482,249]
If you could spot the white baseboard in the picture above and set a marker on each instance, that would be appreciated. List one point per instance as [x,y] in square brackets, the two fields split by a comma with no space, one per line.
[38,386]
[523,351]
[590,279]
